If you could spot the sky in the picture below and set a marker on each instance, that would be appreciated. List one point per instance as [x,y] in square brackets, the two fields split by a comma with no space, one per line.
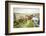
[26,10]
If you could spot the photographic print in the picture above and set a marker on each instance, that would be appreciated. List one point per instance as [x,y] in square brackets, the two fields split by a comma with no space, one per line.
[24,17]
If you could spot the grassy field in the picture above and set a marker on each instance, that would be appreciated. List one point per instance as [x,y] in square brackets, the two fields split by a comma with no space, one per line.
[21,22]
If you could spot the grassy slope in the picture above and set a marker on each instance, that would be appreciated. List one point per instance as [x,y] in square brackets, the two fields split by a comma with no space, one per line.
[29,23]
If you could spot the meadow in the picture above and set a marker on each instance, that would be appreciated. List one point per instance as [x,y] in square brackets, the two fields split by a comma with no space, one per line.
[24,20]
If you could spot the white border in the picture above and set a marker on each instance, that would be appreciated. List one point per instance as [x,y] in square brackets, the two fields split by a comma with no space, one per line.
[13,30]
